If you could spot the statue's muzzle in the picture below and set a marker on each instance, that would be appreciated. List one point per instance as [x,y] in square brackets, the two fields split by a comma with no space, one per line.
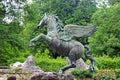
[38,27]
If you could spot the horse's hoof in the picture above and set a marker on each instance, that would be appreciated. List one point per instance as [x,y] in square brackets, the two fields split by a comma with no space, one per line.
[31,44]
[60,72]
[91,69]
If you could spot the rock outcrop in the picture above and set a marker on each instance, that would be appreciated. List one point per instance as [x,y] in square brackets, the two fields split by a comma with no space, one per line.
[79,63]
[37,74]
[29,64]
[50,76]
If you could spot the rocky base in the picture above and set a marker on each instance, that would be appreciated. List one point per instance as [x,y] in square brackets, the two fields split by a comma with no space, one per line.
[50,76]
[33,75]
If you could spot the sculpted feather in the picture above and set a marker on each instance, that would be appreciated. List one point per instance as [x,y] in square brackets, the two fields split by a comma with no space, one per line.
[71,31]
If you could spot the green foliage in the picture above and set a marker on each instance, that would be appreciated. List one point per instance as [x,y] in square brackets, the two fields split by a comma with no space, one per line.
[117,71]
[30,28]
[16,69]
[10,44]
[46,63]
[108,63]
[83,12]
[105,75]
[106,40]
[114,2]
[18,56]
[70,11]
[81,73]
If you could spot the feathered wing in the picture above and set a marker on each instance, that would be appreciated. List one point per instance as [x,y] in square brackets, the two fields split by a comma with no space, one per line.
[79,31]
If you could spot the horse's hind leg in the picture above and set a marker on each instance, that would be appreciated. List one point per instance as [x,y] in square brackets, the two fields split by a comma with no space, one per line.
[72,65]
[72,57]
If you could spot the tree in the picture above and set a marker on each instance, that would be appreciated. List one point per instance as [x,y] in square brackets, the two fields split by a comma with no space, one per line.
[106,40]
[114,2]
[70,11]
[82,14]
[14,11]
[11,43]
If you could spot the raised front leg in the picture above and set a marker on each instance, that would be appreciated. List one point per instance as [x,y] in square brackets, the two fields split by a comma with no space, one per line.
[34,40]
[43,36]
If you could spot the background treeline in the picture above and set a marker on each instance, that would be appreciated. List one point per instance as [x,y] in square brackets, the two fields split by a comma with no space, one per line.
[14,39]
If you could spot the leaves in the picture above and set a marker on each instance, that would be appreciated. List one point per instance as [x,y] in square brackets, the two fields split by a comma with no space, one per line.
[106,39]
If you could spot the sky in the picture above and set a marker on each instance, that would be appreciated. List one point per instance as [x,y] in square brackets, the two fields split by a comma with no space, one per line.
[100,2]
[29,1]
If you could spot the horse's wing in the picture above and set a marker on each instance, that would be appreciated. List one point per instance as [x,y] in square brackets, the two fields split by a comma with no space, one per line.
[79,31]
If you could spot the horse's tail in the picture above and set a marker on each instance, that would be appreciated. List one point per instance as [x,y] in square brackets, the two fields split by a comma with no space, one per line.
[87,55]
[87,52]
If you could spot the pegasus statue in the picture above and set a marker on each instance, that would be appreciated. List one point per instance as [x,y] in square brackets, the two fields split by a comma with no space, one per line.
[60,39]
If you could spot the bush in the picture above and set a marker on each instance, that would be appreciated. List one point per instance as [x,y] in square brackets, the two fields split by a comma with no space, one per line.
[105,75]
[18,56]
[108,63]
[117,71]
[46,63]
[81,73]
[106,39]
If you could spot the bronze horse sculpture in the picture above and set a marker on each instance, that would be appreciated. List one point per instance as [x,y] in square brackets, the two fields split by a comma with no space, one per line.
[61,40]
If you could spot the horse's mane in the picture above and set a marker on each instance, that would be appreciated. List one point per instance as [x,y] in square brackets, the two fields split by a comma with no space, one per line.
[59,24]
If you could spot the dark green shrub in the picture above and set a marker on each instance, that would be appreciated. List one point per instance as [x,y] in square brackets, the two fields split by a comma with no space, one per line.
[21,57]
[105,74]
[106,39]
[46,63]
[81,73]
[108,63]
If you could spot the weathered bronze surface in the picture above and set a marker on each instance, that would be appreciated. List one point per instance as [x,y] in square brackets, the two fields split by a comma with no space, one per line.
[61,40]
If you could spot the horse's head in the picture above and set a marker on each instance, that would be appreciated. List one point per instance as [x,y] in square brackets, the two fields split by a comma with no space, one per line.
[54,24]
[43,21]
